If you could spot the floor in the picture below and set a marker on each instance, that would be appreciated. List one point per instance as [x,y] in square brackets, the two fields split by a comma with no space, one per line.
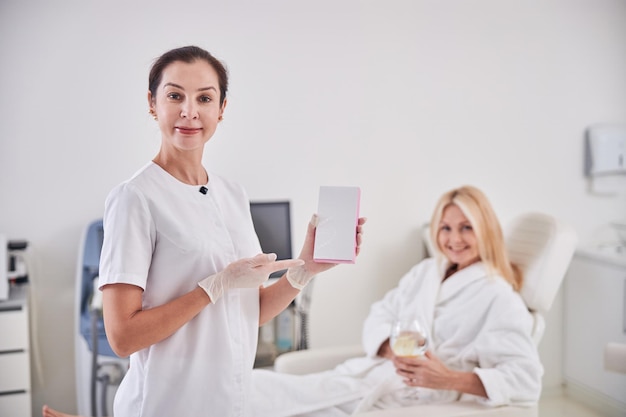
[561,406]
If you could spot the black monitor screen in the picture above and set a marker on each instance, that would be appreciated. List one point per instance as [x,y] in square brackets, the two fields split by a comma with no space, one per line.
[272,223]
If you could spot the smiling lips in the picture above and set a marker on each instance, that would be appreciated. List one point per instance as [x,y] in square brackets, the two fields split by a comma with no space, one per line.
[188,130]
[457,249]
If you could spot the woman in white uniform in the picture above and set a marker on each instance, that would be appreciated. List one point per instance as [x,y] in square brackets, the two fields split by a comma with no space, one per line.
[480,329]
[181,266]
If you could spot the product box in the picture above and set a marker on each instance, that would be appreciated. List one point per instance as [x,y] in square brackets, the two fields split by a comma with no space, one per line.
[338,213]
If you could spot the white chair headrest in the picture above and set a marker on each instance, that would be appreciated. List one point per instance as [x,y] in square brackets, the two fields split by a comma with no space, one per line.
[542,247]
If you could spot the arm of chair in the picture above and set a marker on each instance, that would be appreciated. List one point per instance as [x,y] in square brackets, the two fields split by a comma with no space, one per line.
[315,360]
[539,327]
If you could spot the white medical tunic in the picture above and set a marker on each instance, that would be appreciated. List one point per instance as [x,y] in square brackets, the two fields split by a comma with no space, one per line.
[164,236]
[477,323]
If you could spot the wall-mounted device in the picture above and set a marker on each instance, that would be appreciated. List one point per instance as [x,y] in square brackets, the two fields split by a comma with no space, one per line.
[605,150]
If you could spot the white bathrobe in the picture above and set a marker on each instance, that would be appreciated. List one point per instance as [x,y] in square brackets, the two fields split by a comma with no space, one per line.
[477,323]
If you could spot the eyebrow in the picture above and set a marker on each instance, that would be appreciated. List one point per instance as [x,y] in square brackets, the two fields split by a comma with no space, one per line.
[199,89]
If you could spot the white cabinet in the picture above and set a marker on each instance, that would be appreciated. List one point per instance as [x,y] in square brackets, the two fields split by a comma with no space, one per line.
[595,288]
[15,388]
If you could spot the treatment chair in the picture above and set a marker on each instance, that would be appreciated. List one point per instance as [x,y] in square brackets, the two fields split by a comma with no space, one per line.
[541,245]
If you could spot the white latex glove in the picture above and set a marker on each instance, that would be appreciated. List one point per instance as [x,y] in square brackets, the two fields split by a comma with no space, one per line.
[245,273]
[299,276]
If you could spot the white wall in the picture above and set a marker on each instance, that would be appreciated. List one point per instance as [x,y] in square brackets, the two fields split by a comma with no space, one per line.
[404,98]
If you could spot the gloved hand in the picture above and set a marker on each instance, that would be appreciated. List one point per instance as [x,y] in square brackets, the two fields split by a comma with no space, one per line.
[245,273]
[299,276]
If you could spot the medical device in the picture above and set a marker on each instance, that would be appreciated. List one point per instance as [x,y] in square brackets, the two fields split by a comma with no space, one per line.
[13,269]
[98,370]
[272,223]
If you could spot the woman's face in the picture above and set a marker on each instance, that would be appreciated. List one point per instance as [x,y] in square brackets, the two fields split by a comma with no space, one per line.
[456,237]
[187,105]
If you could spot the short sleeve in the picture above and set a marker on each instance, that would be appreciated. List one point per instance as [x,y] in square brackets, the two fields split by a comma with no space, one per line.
[129,238]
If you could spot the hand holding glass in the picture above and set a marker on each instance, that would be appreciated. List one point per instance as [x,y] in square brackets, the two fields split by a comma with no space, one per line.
[408,338]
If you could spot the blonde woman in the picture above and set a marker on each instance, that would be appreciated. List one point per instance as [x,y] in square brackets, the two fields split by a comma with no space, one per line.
[482,226]
[480,331]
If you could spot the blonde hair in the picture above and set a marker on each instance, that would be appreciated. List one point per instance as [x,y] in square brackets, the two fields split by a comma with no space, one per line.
[491,248]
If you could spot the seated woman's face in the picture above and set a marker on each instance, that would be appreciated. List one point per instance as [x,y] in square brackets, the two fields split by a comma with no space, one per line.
[456,238]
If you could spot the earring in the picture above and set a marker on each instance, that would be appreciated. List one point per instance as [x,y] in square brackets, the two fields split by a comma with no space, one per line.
[219,119]
[153,114]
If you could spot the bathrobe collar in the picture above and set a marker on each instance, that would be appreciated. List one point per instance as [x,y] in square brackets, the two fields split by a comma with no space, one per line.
[461,279]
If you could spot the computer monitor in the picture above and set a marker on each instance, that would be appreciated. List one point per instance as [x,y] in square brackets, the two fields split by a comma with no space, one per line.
[272,223]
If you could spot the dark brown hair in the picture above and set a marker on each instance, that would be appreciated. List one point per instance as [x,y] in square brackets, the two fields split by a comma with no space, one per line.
[187,54]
